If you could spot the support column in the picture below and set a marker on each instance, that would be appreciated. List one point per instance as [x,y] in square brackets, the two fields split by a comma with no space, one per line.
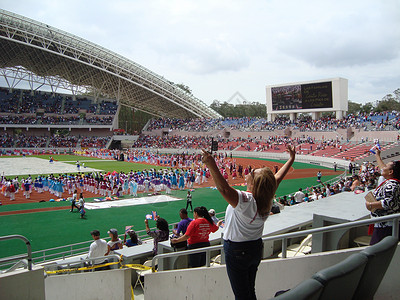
[271,117]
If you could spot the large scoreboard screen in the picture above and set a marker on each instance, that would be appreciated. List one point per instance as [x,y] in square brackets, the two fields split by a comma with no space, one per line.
[302,96]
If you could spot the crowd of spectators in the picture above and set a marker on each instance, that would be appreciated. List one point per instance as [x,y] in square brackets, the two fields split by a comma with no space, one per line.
[372,121]
[57,141]
[55,120]
[247,144]
[107,120]
[188,142]
[73,107]
[37,107]
[367,178]
[94,142]
[18,119]
[31,103]
[6,140]
[24,141]
[63,141]
[9,101]
[108,108]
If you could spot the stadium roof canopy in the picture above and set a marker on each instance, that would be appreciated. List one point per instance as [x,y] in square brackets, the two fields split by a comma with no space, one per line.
[35,52]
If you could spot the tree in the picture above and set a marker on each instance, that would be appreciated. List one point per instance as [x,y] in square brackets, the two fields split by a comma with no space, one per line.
[397,94]
[388,103]
[367,108]
[184,88]
[216,105]
[247,109]
[131,120]
[353,108]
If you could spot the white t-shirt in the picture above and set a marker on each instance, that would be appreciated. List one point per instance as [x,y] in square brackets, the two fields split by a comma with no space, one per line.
[113,245]
[243,223]
[98,248]
[299,196]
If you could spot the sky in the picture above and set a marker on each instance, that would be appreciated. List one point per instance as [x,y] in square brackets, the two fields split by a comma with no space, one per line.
[219,48]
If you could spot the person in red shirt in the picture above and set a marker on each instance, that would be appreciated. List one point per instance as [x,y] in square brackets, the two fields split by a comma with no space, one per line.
[12,192]
[197,235]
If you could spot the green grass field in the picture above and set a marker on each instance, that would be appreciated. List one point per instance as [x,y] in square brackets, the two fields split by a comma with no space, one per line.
[57,228]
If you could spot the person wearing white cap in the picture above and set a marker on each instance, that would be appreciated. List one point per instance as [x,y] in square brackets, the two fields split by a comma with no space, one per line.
[213,217]
[115,243]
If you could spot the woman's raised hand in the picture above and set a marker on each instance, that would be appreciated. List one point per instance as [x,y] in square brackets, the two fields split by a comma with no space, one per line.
[206,157]
[291,149]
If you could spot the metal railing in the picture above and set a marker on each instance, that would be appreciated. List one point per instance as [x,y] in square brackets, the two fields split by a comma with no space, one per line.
[75,265]
[65,251]
[284,237]
[20,257]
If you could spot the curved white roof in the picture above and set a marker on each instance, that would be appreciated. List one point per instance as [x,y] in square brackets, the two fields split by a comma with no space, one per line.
[28,46]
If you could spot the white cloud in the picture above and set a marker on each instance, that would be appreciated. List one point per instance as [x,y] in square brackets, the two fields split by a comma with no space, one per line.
[220,47]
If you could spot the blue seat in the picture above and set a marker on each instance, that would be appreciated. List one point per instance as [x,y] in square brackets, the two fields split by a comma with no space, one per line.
[379,257]
[340,281]
[309,289]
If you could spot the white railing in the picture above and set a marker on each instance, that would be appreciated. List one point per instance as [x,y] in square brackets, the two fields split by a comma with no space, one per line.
[18,258]
[75,265]
[284,237]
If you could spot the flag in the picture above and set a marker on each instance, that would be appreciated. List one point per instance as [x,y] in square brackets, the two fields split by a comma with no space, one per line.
[376,146]
[372,150]
[127,228]
[152,216]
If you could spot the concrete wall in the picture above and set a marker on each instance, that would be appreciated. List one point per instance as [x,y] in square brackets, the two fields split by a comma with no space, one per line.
[113,284]
[273,275]
[23,284]
[383,136]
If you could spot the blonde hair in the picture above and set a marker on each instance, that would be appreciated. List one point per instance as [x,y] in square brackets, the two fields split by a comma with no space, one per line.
[264,188]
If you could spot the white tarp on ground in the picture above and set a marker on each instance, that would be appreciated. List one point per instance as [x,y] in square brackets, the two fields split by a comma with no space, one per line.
[130,202]
[35,166]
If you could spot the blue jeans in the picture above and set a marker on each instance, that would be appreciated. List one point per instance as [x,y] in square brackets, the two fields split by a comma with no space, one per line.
[242,260]
[198,259]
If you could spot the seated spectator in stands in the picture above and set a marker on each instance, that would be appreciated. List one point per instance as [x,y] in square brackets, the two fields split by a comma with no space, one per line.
[283,201]
[160,234]
[336,189]
[98,248]
[115,243]
[356,182]
[278,203]
[181,229]
[328,190]
[306,198]
[275,208]
[183,224]
[134,239]
[212,215]
[292,201]
[299,196]
[371,184]
[360,188]
[347,184]
[197,235]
